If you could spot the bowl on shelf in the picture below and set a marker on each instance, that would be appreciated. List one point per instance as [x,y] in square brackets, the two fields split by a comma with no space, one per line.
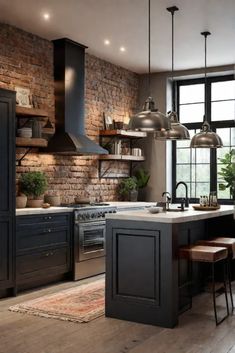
[25,132]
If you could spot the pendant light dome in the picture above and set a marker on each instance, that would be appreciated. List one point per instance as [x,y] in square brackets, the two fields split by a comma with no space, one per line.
[206,138]
[149,119]
[177,130]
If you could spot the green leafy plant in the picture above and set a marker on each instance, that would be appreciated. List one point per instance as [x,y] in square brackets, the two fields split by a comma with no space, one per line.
[142,178]
[228,172]
[127,185]
[33,184]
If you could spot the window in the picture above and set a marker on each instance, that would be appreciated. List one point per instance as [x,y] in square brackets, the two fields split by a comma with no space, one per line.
[199,168]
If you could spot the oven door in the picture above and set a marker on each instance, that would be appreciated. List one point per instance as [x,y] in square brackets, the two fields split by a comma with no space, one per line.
[91,240]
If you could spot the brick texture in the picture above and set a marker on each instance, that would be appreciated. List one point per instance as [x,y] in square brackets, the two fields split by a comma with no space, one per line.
[27,61]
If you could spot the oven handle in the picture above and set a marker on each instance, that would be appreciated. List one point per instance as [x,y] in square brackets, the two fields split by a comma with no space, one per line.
[90,224]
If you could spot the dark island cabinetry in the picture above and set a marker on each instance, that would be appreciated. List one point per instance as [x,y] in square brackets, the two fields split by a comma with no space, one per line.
[146,281]
[43,248]
[7,190]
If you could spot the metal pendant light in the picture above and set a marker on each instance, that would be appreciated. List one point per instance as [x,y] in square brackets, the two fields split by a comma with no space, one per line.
[150,119]
[177,130]
[206,138]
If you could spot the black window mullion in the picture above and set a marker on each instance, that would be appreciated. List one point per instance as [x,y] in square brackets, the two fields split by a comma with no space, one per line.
[214,126]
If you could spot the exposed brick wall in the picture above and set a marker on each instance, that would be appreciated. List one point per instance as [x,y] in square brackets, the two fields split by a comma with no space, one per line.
[27,60]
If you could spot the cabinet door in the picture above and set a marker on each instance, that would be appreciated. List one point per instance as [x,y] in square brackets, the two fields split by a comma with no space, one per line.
[7,152]
[6,253]
[7,187]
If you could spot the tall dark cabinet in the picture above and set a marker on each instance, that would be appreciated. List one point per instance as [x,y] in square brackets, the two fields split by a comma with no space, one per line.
[7,189]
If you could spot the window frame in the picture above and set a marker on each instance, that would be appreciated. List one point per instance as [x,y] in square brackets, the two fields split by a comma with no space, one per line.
[214,125]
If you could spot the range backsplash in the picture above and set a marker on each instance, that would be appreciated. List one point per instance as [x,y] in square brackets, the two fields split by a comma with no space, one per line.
[27,61]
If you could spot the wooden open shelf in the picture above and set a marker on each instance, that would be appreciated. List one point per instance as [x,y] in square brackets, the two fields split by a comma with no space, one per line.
[123,133]
[30,142]
[119,157]
[30,112]
[48,131]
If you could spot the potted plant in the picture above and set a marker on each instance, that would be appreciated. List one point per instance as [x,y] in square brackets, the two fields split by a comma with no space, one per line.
[228,173]
[142,178]
[33,185]
[128,189]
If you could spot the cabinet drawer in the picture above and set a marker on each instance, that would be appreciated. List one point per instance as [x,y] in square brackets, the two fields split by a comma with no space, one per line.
[27,223]
[42,237]
[42,264]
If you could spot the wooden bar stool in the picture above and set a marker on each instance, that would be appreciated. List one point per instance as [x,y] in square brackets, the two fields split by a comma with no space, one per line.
[228,243]
[212,255]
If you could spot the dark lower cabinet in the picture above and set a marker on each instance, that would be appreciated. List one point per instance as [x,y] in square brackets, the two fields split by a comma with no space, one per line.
[6,255]
[7,190]
[43,249]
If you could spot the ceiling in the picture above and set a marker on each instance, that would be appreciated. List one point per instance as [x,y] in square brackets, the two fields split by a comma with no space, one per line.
[124,23]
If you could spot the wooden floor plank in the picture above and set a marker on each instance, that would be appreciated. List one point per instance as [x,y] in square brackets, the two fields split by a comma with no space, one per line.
[196,332]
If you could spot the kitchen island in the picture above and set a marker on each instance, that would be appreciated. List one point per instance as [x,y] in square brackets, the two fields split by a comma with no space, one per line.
[145,280]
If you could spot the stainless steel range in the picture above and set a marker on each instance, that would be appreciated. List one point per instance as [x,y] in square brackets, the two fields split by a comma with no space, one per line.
[89,240]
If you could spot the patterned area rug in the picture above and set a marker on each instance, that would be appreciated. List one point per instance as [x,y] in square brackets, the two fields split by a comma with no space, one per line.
[80,304]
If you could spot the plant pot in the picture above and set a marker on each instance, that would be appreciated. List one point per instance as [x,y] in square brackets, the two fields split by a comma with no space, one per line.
[142,194]
[52,200]
[34,203]
[133,195]
[21,201]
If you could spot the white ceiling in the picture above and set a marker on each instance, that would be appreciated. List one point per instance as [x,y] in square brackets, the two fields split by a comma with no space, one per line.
[124,23]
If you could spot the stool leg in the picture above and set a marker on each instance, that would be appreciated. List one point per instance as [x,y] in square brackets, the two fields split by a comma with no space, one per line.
[214,293]
[229,282]
[225,286]
[190,268]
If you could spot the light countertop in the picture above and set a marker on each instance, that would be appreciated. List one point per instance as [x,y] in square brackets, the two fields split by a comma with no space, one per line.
[35,211]
[171,217]
[119,204]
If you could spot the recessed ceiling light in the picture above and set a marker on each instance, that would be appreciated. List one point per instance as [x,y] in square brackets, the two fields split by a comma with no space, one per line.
[107,42]
[122,49]
[46,16]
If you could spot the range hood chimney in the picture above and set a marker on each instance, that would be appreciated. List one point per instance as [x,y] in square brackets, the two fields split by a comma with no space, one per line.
[69,74]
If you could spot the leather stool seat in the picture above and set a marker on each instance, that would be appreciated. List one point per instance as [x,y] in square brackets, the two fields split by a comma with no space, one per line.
[228,243]
[203,253]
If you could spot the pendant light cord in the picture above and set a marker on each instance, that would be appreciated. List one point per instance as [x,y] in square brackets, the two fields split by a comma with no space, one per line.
[149,48]
[172,10]
[205,34]
[172,46]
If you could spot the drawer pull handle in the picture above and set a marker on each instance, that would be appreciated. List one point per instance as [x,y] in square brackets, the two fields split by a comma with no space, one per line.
[47,217]
[47,230]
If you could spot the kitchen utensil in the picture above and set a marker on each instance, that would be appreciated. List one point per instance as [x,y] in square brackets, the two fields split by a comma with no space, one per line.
[136,152]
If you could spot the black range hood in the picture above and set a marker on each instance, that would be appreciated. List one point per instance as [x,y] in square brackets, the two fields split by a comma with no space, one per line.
[69,73]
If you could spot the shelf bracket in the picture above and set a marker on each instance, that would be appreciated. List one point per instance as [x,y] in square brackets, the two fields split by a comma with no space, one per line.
[18,161]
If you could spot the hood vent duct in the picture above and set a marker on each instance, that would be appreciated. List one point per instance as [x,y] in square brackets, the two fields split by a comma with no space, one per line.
[69,74]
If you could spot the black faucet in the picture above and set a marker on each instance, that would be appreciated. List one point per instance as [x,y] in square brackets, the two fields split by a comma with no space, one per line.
[186,192]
